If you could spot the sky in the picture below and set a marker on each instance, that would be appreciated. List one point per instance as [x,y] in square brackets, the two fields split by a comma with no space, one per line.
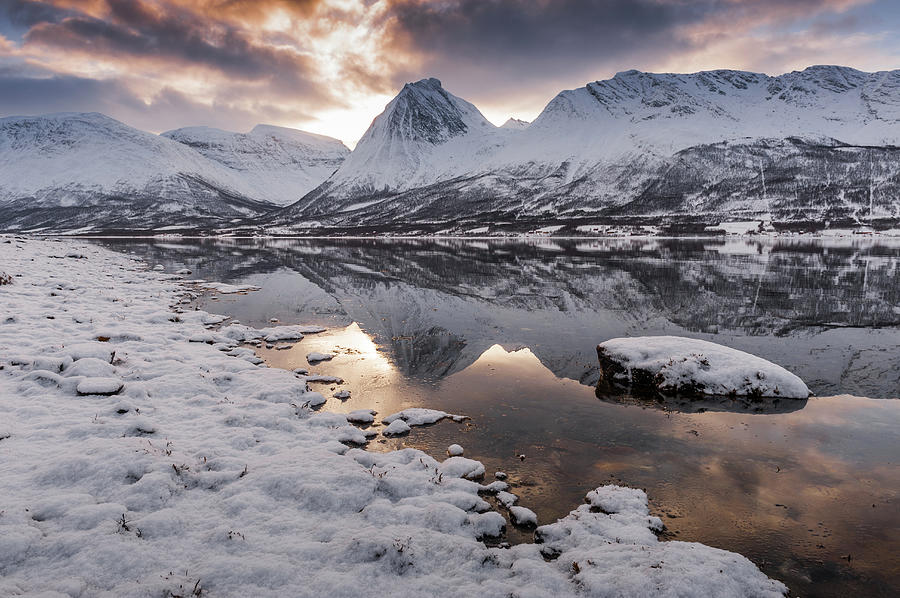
[330,66]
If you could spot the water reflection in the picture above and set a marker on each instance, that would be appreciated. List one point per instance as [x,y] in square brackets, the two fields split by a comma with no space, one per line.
[827,310]
[703,404]
[794,491]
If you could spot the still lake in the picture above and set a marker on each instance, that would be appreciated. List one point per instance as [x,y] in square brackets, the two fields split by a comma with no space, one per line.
[505,332]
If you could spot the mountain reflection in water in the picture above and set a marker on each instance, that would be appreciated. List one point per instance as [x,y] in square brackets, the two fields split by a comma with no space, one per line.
[828,310]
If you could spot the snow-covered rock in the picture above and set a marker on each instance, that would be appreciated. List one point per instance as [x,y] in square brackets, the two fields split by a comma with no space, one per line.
[507,499]
[99,386]
[227,289]
[455,450]
[461,467]
[522,516]
[280,164]
[420,416]
[397,427]
[317,356]
[271,334]
[362,416]
[677,365]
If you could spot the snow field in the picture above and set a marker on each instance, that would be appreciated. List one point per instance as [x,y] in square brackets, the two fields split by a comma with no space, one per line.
[207,472]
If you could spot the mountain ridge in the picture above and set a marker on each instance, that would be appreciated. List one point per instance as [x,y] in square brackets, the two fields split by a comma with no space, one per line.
[812,147]
[87,171]
[608,144]
[281,164]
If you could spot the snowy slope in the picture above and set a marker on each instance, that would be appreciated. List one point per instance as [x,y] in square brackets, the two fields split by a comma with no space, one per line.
[282,165]
[606,145]
[73,170]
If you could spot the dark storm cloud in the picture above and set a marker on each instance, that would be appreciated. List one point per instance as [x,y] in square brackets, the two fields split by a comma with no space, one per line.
[501,44]
[17,16]
[542,31]
[25,13]
[24,93]
[132,29]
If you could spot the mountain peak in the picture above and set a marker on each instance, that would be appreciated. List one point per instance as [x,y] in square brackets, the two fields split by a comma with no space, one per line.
[428,83]
[424,111]
[515,124]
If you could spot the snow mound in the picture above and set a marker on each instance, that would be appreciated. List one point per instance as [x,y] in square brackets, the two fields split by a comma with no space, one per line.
[461,467]
[677,365]
[419,416]
[455,450]
[397,427]
[617,553]
[522,516]
[362,416]
[99,386]
[91,367]
[229,289]
[101,351]
[271,334]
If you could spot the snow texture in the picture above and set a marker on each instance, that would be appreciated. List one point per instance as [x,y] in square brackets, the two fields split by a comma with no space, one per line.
[207,475]
[674,364]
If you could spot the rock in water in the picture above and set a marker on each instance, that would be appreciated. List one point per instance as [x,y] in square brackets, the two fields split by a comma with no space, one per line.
[675,365]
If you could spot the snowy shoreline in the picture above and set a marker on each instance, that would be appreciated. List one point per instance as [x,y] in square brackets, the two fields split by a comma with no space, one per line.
[200,470]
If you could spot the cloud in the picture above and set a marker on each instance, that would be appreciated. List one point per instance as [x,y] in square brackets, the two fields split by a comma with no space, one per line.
[29,93]
[492,50]
[331,64]
[174,37]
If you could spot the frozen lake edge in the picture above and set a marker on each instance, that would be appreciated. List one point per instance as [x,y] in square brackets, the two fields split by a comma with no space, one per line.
[208,464]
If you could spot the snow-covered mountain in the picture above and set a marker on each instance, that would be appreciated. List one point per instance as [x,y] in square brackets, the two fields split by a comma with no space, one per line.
[425,134]
[88,171]
[75,171]
[281,164]
[821,143]
[812,146]
[515,124]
